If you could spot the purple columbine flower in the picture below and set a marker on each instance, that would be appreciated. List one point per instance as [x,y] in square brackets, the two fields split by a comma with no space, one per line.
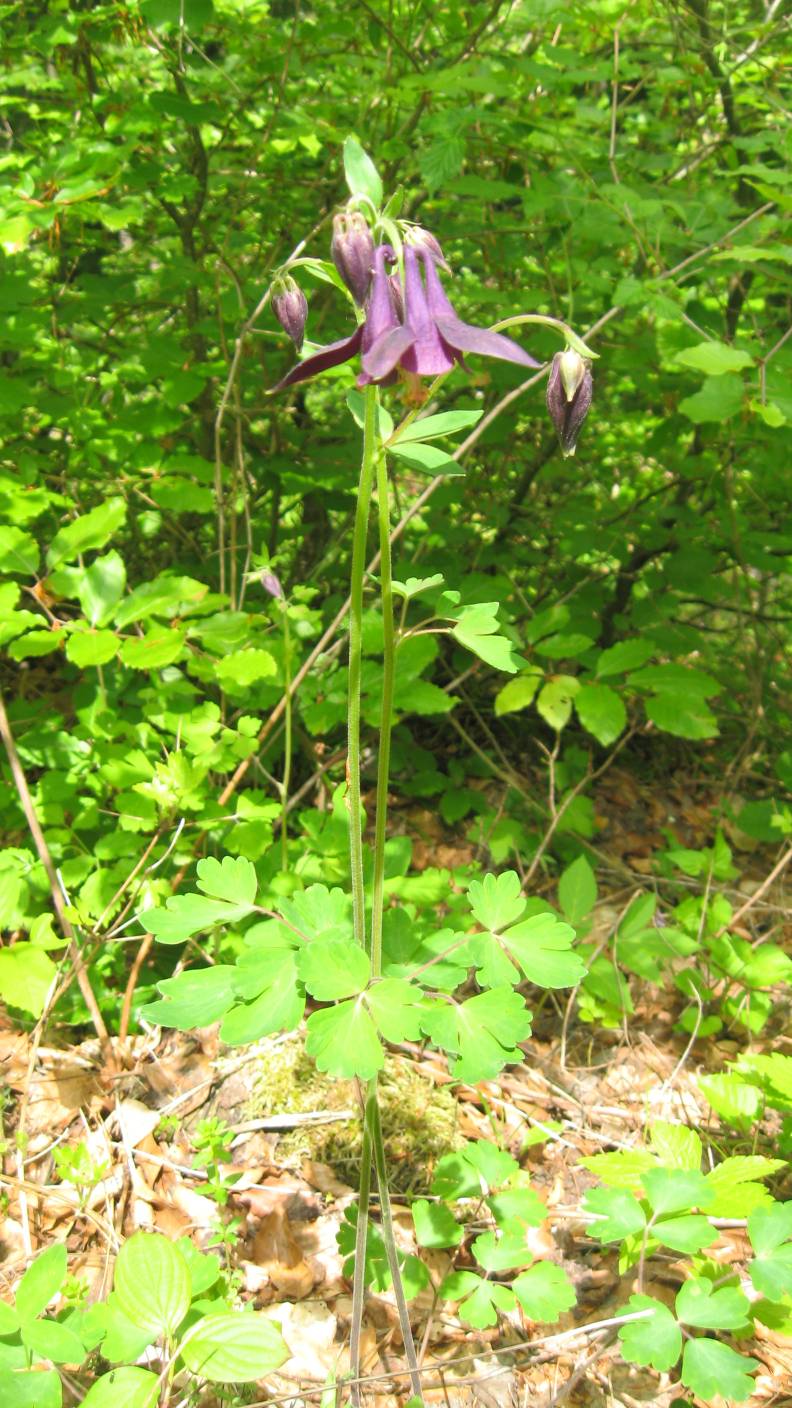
[569,389]
[428,340]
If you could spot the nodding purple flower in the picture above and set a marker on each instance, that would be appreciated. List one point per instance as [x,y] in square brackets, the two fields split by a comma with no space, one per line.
[569,389]
[290,307]
[424,239]
[428,339]
[271,583]
[352,248]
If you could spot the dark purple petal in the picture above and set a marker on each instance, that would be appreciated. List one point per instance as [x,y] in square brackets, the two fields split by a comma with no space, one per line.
[380,313]
[428,355]
[290,307]
[464,337]
[331,356]
[382,358]
[569,412]
[352,250]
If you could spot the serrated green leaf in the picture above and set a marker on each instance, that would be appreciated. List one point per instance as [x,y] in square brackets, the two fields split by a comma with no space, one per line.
[676,1146]
[521,1206]
[712,1369]
[100,588]
[234,1347]
[656,1340]
[622,1168]
[601,711]
[159,646]
[152,1283]
[684,718]
[244,667]
[477,629]
[19,551]
[435,1226]
[734,1099]
[714,358]
[477,1168]
[394,1005]
[91,530]
[699,1303]
[85,648]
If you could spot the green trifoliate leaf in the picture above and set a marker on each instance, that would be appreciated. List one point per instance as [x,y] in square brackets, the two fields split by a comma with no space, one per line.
[415,586]
[319,912]
[343,1040]
[710,1368]
[770,1233]
[503,1250]
[699,1303]
[475,1169]
[42,1280]
[621,1168]
[544,1292]
[477,628]
[542,947]
[521,1207]
[480,1300]
[654,1341]
[577,890]
[618,1214]
[152,1283]
[676,1146]
[270,997]
[193,999]
[685,1234]
[497,900]
[601,711]
[481,1033]
[333,968]
[395,1007]
[233,1347]
[435,1226]
[672,1190]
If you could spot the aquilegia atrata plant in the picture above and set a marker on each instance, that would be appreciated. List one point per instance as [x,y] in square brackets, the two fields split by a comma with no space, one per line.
[366,989]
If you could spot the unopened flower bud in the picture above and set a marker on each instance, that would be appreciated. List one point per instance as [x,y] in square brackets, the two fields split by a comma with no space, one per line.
[271,583]
[352,249]
[290,307]
[569,390]
[424,239]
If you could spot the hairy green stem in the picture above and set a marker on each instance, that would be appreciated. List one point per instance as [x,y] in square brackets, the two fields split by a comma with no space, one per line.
[362,513]
[389,1238]
[287,745]
[386,720]
[355,662]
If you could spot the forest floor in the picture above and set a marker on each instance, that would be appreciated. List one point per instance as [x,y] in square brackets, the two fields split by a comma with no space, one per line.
[294,1137]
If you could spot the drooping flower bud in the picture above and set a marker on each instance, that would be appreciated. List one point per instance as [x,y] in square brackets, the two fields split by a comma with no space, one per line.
[290,307]
[420,238]
[569,389]
[271,583]
[352,249]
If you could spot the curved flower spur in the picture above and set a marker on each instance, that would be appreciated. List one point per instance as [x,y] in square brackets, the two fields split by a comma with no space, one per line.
[427,338]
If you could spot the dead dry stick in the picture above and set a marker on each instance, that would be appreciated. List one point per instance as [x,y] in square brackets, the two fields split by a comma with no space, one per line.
[44,856]
[754,898]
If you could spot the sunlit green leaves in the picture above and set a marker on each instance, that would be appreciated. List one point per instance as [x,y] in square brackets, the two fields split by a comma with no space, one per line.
[656,1339]
[233,1347]
[362,176]
[152,1283]
[544,1291]
[481,1033]
[700,1303]
[710,1368]
[770,1232]
[480,1301]
[229,893]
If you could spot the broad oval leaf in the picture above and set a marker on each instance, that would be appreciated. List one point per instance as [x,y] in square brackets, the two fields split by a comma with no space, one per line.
[233,1347]
[152,1283]
[127,1386]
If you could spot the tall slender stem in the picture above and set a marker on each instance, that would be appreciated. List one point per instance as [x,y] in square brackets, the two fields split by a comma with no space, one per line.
[389,1238]
[386,721]
[362,513]
[355,661]
[287,744]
